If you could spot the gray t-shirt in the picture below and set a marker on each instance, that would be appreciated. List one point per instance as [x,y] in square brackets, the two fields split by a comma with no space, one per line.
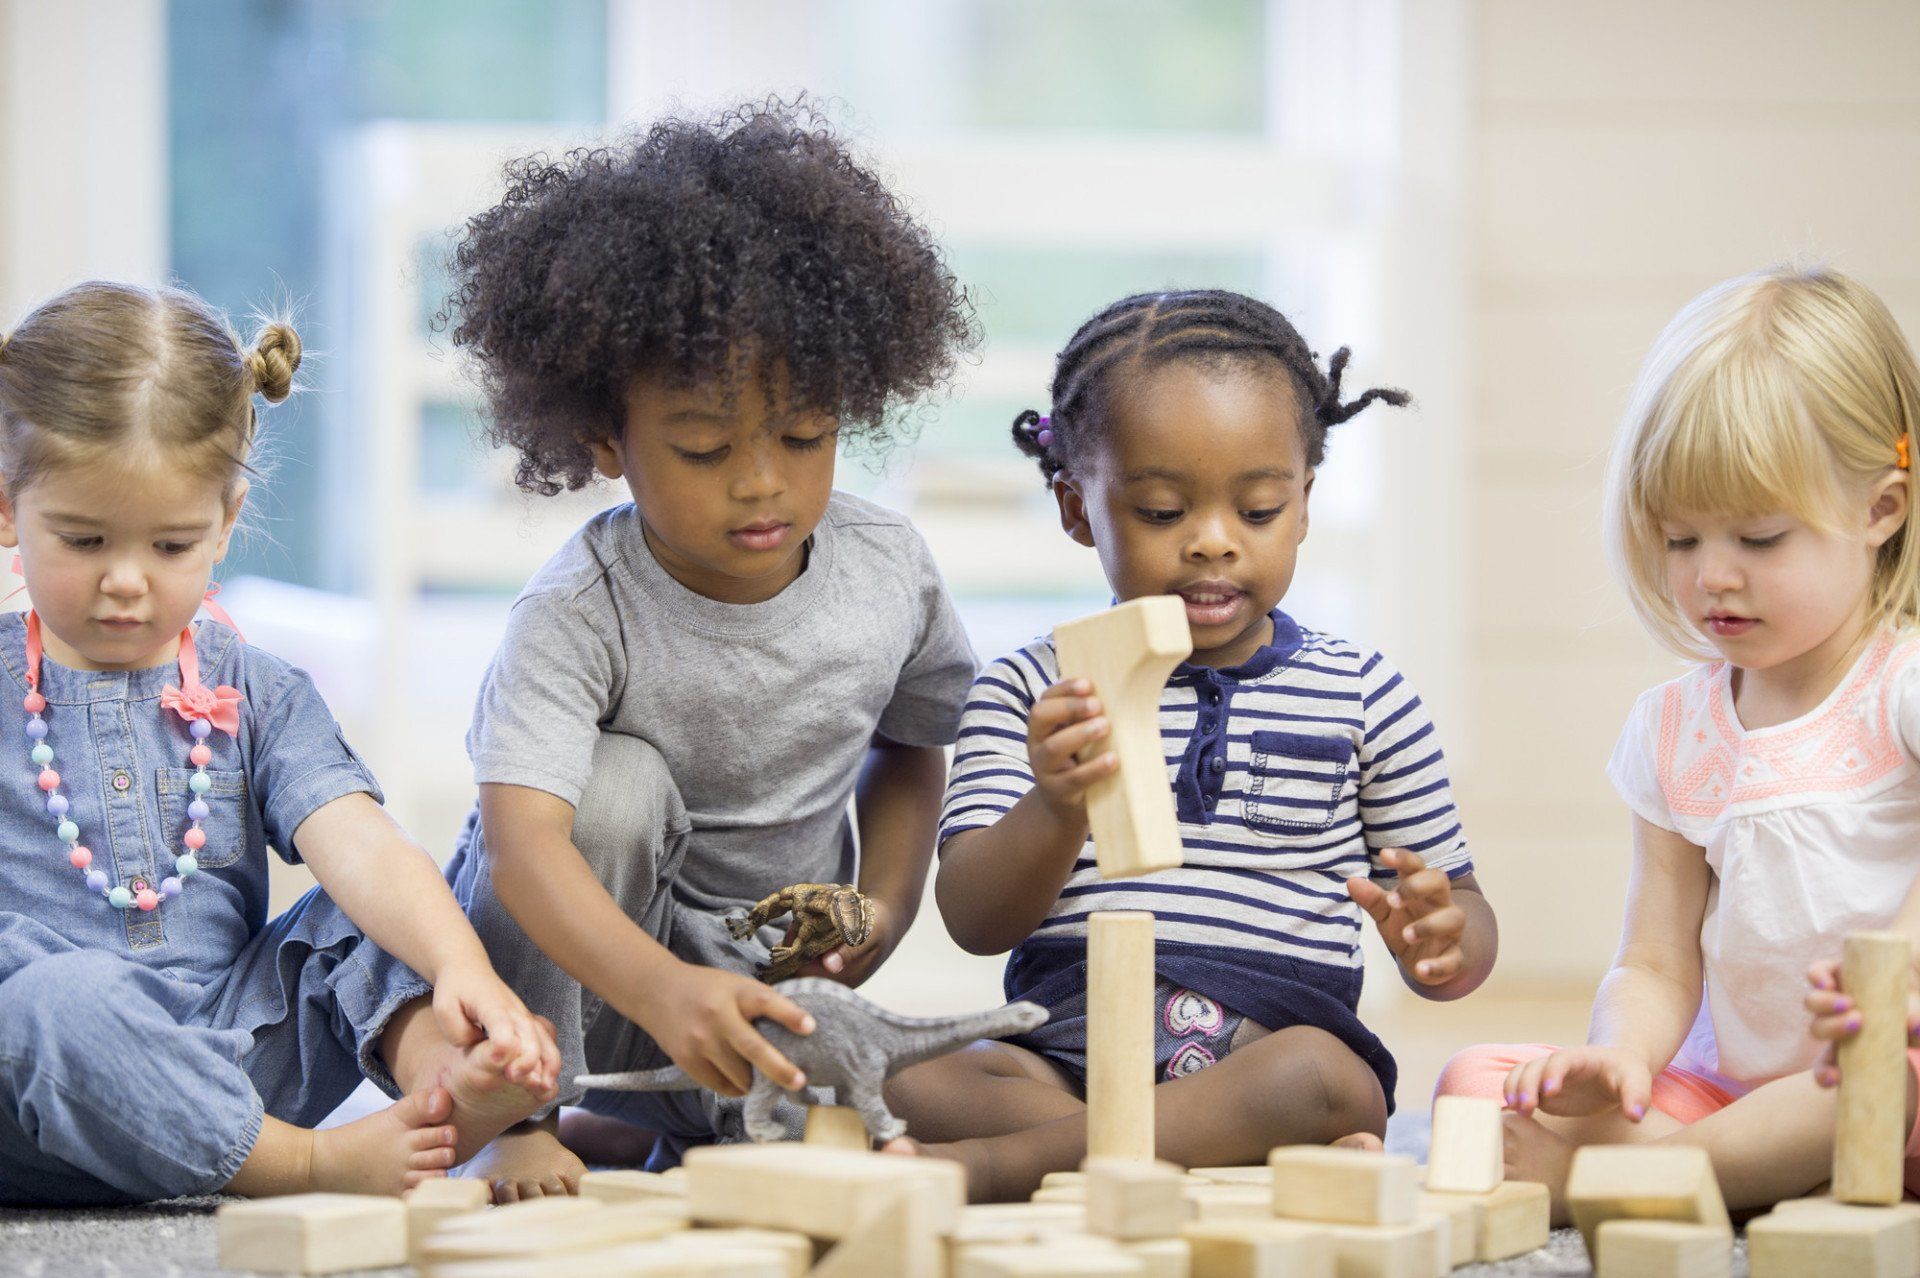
[763,712]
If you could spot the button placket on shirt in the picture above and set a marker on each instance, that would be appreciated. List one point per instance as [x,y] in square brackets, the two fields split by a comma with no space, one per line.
[128,845]
[1207,755]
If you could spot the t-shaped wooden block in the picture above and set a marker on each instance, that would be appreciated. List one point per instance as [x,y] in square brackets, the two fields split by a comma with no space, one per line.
[1128,652]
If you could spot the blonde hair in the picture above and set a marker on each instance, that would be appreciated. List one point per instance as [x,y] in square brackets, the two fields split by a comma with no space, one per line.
[105,368]
[1784,390]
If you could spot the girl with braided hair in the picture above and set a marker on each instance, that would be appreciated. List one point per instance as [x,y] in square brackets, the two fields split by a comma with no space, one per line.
[1182,442]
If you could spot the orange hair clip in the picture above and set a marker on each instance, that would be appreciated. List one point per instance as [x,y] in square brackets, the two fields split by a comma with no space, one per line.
[1902,448]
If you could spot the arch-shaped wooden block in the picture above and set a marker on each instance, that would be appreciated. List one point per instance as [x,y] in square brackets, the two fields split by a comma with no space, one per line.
[1128,652]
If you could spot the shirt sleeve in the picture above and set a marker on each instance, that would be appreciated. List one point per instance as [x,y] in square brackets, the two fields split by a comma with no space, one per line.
[1634,768]
[301,761]
[931,692]
[990,770]
[550,687]
[1904,707]
[1406,800]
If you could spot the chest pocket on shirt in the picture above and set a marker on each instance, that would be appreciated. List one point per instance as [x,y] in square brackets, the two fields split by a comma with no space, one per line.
[225,826]
[1294,781]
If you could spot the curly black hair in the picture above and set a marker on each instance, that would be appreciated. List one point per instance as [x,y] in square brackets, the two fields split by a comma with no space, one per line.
[1147,330]
[688,252]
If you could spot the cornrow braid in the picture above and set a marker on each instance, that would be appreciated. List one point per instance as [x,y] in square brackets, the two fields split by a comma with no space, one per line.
[1147,330]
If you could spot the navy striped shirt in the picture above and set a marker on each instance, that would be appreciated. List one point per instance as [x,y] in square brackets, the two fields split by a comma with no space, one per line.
[1290,773]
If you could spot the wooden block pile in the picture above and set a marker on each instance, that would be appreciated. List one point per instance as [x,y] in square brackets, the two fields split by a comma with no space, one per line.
[1862,1230]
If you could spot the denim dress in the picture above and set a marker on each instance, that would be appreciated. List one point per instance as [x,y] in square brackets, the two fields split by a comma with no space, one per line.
[139,1051]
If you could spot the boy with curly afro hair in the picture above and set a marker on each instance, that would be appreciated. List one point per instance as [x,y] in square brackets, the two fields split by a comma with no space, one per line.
[691,690]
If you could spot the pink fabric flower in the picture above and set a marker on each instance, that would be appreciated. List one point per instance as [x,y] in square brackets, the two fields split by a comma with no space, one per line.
[218,706]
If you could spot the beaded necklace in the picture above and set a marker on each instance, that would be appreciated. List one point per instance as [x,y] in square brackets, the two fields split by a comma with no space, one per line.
[203,708]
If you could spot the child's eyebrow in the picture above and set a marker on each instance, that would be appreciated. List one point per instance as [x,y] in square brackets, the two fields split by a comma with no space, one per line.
[697,416]
[1281,473]
[73,519]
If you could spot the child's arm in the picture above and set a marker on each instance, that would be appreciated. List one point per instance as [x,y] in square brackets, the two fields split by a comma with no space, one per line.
[702,1017]
[1647,1002]
[898,807]
[996,884]
[391,889]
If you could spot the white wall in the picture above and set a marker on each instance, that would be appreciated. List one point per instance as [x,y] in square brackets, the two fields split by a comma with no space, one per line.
[1628,155]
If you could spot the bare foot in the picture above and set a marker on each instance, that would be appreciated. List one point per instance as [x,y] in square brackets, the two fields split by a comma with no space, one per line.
[1362,1140]
[527,1161]
[388,1152]
[1535,1153]
[485,1103]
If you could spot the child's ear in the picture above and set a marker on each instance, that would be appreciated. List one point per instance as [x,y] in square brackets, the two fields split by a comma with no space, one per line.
[229,518]
[1306,491]
[1889,511]
[606,458]
[9,530]
[1073,508]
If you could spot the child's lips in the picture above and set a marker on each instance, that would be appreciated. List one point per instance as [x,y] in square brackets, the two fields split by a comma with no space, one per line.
[1211,604]
[760,535]
[1728,627]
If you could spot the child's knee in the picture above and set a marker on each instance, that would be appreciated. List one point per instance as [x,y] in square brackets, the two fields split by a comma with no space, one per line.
[1482,1070]
[1313,1074]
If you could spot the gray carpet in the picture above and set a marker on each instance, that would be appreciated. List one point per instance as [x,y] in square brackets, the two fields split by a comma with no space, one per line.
[175,1239]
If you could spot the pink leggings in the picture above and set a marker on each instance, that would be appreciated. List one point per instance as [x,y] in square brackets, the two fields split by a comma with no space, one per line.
[1680,1094]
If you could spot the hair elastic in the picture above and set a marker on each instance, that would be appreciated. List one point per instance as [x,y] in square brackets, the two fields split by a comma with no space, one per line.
[1903,451]
[1043,432]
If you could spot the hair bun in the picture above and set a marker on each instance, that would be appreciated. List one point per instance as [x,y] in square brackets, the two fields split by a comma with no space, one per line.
[273,361]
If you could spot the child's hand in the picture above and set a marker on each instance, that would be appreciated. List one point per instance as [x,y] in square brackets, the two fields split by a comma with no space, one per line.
[1066,720]
[850,964]
[702,1017]
[1418,919]
[1577,1081]
[471,1002]
[1836,1018]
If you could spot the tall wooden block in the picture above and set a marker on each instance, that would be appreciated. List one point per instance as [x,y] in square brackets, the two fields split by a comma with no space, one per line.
[1468,1153]
[1128,652]
[1869,1148]
[1463,1214]
[1663,1249]
[827,1193]
[1820,1236]
[1120,1033]
[1643,1182]
[312,1233]
[1346,1186]
[1131,1200]
[1258,1249]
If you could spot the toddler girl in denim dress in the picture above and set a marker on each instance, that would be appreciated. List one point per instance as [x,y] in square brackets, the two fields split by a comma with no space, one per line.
[159,1035]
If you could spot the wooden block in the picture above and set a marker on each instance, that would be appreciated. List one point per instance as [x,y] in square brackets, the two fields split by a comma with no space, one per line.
[1259,1249]
[1213,1203]
[1120,1021]
[826,1193]
[1044,1261]
[1468,1154]
[1663,1249]
[1261,1175]
[1343,1186]
[1128,652]
[1869,1146]
[794,1249]
[896,1239]
[684,1255]
[313,1233]
[1064,1180]
[837,1127]
[502,1236]
[1132,1200]
[1463,1214]
[1514,1219]
[624,1186]
[1642,1182]
[1811,1236]
[1415,1250]
[432,1203]
[1075,1195]
[1017,1222]
[1162,1257]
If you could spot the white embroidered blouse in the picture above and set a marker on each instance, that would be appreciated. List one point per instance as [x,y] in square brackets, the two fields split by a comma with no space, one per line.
[1811,827]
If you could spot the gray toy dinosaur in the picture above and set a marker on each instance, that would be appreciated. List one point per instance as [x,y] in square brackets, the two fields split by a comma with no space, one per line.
[854,1048]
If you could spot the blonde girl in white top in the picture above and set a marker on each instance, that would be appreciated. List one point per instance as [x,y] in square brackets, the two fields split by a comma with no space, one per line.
[1757,512]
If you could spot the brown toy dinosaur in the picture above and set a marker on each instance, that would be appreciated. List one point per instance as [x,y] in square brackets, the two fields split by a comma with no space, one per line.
[824,915]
